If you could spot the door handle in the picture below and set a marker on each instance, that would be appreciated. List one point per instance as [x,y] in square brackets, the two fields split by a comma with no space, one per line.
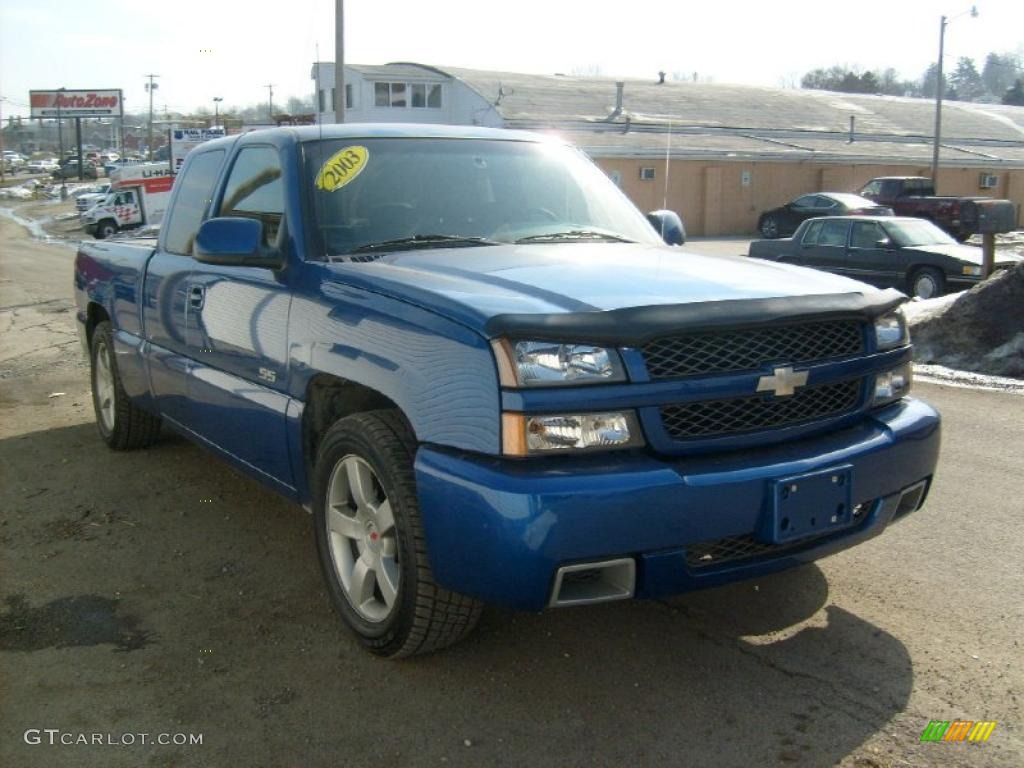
[196,295]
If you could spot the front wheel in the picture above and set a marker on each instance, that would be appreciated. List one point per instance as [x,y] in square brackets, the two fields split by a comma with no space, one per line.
[121,423]
[927,283]
[105,229]
[371,544]
[770,227]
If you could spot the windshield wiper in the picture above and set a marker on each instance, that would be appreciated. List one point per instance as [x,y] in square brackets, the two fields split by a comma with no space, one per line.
[575,234]
[424,241]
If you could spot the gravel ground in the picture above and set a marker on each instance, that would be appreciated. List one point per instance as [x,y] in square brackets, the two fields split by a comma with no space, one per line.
[160,592]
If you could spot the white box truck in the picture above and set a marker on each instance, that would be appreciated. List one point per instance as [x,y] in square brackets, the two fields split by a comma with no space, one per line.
[138,196]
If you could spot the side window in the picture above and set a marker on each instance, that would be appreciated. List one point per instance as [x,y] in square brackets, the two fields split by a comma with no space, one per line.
[866,234]
[834,233]
[891,189]
[813,233]
[873,188]
[807,201]
[195,188]
[824,203]
[255,190]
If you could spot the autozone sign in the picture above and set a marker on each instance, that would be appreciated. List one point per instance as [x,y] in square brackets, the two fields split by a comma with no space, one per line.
[66,103]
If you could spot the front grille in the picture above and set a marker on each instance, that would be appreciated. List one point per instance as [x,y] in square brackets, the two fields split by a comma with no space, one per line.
[701,354]
[712,418]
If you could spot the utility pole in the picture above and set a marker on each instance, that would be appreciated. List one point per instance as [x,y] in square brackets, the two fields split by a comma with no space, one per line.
[150,86]
[939,88]
[339,61]
[60,145]
[216,110]
[1,143]
[270,87]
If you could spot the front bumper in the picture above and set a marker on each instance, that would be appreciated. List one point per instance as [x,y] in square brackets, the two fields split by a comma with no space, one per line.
[499,529]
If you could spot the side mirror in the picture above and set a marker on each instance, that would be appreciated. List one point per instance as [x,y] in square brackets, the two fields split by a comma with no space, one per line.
[233,241]
[885,243]
[669,226]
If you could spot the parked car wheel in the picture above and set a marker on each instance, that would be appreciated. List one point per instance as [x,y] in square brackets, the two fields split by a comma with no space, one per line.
[371,544]
[770,227]
[105,229]
[927,283]
[121,423]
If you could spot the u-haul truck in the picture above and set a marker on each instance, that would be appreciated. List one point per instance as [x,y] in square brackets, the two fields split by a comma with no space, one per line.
[138,196]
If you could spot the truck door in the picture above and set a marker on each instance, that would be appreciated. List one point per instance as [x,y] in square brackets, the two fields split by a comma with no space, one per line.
[167,300]
[127,209]
[237,330]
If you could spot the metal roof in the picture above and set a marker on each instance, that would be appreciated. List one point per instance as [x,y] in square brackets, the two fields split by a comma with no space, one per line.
[742,121]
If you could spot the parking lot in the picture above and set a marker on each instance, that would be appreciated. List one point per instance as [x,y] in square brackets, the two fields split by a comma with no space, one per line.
[160,592]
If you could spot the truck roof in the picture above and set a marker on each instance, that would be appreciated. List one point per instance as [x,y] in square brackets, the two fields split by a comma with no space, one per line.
[289,134]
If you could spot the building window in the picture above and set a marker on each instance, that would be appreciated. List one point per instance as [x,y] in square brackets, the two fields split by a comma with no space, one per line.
[350,102]
[647,174]
[320,100]
[417,95]
[418,92]
[398,98]
[616,177]
[434,97]
[334,104]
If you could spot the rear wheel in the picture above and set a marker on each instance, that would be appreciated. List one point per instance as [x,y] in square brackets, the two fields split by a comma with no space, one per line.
[121,423]
[371,544]
[927,283]
[770,227]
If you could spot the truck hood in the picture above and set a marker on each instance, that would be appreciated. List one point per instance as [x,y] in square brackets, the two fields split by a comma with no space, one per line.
[969,254]
[474,285]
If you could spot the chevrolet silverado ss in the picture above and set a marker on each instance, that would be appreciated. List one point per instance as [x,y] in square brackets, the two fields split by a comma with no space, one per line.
[489,380]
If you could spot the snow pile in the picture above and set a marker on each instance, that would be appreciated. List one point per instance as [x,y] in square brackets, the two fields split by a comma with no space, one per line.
[978,330]
[22,192]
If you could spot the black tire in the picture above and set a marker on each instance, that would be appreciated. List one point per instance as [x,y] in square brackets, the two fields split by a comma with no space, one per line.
[132,427]
[769,227]
[424,617]
[105,229]
[926,283]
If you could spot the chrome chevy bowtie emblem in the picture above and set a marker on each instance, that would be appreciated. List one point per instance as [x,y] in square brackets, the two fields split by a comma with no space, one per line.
[782,382]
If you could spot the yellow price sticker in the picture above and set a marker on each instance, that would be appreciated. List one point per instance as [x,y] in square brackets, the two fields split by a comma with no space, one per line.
[342,167]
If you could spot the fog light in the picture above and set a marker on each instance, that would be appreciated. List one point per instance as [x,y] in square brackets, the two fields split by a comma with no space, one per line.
[892,385]
[524,435]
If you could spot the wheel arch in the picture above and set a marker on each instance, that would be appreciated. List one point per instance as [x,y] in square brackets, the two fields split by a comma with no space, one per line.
[330,398]
[95,313]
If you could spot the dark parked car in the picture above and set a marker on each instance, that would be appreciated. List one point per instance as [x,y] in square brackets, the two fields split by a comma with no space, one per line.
[784,220]
[911,254]
[70,170]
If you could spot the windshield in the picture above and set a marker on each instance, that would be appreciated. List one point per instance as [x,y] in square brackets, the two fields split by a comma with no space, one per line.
[918,232]
[438,191]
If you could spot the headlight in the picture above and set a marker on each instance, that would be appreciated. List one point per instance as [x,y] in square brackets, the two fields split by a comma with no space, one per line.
[547,363]
[891,331]
[972,271]
[892,385]
[524,435]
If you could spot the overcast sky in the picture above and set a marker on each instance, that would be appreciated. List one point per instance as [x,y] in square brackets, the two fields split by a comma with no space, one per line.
[113,43]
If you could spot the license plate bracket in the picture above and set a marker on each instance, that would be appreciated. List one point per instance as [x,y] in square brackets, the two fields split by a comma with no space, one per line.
[812,504]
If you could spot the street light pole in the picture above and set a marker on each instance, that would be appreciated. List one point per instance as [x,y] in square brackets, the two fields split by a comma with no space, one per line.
[216,110]
[150,86]
[60,148]
[939,88]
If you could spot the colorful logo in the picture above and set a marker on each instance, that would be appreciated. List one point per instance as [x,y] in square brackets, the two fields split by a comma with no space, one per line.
[958,730]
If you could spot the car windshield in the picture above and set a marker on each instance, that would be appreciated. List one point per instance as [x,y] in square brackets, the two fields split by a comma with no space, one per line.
[371,194]
[917,232]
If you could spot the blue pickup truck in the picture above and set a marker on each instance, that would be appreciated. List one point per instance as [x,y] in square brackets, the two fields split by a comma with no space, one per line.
[490,380]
